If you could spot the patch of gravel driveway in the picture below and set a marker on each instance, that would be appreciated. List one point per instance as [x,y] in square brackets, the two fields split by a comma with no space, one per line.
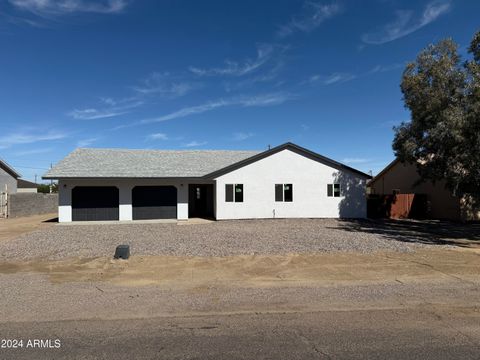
[222,238]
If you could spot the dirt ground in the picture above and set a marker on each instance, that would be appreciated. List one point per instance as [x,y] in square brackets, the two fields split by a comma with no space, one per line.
[11,228]
[381,304]
[259,270]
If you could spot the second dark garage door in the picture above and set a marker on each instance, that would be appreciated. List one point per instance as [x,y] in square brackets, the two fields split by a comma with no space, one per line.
[154,202]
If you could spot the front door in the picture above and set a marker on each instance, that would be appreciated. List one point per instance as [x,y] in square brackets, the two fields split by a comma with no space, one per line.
[200,200]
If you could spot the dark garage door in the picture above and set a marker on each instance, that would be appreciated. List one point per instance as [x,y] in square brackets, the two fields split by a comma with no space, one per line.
[94,203]
[154,202]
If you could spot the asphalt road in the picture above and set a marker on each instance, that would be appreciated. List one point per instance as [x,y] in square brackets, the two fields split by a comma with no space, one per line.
[417,333]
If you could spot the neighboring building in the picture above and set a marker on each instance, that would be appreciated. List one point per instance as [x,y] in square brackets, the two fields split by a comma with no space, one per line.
[403,178]
[26,186]
[8,178]
[287,181]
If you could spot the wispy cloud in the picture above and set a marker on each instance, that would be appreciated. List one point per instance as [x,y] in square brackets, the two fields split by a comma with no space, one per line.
[157,136]
[87,142]
[333,78]
[240,136]
[339,77]
[46,8]
[111,108]
[165,84]
[386,68]
[356,160]
[313,14]
[195,143]
[18,20]
[33,151]
[91,114]
[234,68]
[406,23]
[28,138]
[252,101]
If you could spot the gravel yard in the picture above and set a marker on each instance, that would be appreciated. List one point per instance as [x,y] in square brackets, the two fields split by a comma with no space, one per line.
[222,238]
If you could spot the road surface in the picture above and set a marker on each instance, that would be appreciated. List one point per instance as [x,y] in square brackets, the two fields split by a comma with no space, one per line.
[416,333]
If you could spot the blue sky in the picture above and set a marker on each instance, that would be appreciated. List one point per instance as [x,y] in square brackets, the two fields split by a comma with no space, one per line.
[212,74]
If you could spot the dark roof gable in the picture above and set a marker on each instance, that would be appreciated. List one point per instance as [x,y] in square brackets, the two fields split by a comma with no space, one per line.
[290,146]
[384,171]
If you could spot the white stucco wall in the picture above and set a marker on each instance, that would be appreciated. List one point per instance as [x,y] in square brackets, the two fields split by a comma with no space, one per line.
[125,187]
[8,183]
[309,179]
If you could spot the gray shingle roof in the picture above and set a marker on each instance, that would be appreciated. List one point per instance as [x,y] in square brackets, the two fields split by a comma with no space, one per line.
[123,163]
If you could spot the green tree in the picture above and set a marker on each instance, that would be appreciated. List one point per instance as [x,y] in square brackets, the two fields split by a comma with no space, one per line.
[45,188]
[443,136]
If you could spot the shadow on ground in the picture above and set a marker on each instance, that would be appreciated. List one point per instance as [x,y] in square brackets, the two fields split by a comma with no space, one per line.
[431,232]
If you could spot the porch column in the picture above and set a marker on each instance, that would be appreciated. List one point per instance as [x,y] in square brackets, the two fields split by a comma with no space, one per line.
[182,201]
[125,199]
[64,202]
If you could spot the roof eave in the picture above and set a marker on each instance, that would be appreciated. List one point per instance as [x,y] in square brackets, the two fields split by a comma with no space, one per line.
[10,169]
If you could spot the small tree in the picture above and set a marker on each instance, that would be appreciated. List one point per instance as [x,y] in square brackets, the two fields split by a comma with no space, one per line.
[45,188]
[443,137]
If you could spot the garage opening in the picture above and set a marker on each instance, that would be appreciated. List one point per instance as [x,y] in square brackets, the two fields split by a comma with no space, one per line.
[154,202]
[95,203]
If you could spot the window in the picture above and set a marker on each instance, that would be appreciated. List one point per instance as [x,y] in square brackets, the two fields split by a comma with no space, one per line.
[284,192]
[234,192]
[278,192]
[229,192]
[333,190]
[238,192]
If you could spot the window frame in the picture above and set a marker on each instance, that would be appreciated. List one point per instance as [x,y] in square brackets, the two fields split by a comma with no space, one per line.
[235,192]
[281,189]
[334,190]
[231,193]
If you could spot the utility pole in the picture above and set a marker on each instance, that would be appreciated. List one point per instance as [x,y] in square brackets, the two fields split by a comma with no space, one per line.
[35,178]
[51,181]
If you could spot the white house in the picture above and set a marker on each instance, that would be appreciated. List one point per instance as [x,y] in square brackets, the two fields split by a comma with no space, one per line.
[287,181]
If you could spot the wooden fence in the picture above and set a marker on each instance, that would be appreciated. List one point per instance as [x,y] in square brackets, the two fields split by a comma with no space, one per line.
[3,205]
[398,206]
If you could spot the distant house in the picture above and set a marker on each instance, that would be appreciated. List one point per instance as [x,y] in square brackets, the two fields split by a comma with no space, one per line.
[8,178]
[287,181]
[403,178]
[24,186]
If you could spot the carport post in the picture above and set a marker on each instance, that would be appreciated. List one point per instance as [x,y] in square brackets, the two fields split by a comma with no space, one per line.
[125,195]
[182,201]
[64,201]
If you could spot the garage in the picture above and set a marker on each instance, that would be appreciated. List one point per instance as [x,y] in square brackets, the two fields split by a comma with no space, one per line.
[95,203]
[154,202]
